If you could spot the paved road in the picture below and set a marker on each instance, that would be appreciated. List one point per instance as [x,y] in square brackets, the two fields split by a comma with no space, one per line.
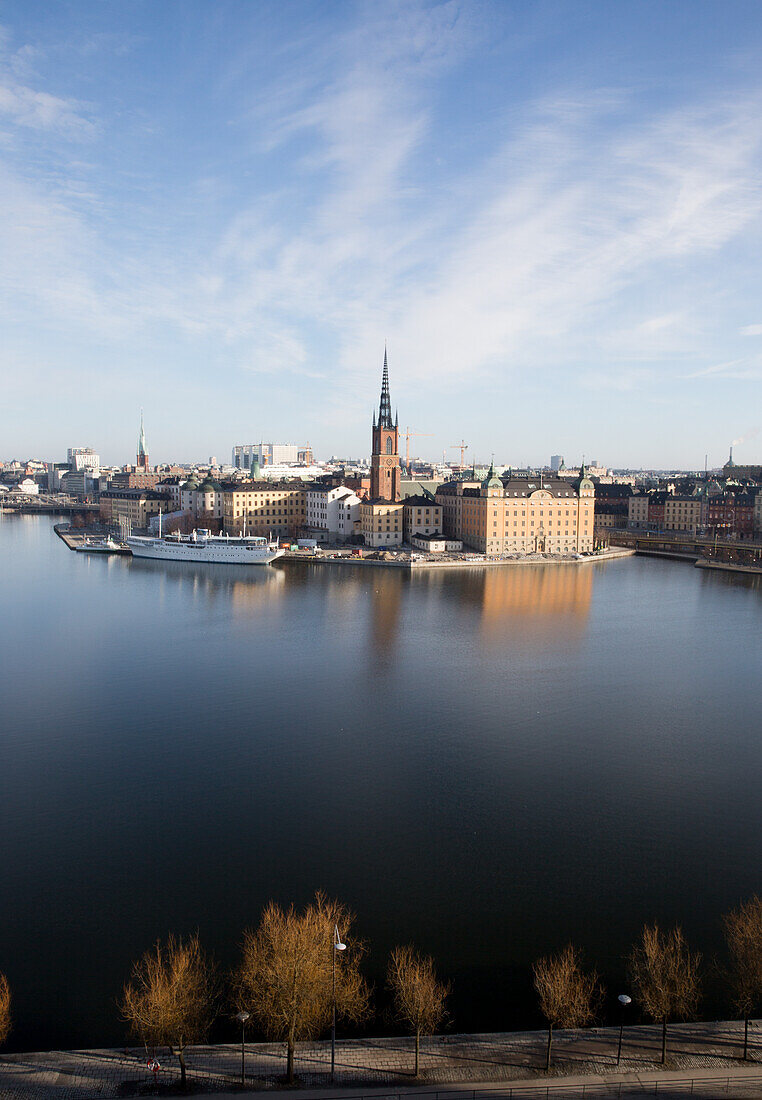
[584,1064]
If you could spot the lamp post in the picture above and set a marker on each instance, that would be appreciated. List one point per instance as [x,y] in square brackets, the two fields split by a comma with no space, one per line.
[624,1000]
[337,945]
[242,1017]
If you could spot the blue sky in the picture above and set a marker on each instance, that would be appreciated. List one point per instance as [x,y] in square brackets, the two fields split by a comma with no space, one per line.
[552,213]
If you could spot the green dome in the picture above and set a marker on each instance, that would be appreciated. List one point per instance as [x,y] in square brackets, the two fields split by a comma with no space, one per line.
[493,482]
[191,484]
[209,485]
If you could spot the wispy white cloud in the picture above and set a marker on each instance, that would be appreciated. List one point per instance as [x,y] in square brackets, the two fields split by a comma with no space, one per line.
[751,330]
[737,370]
[577,236]
[38,110]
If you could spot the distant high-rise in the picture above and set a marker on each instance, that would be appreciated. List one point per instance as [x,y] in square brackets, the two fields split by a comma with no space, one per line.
[556,462]
[84,458]
[265,454]
[142,456]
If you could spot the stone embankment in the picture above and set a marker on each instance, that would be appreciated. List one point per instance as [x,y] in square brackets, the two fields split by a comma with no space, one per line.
[704,1056]
[416,562]
[729,567]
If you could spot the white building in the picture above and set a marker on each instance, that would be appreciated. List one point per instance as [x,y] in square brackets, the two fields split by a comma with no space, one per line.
[436,544]
[29,487]
[283,471]
[172,486]
[84,458]
[265,454]
[201,499]
[331,513]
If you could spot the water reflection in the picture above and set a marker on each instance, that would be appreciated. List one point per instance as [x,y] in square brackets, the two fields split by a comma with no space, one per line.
[386,601]
[245,591]
[549,601]
[542,753]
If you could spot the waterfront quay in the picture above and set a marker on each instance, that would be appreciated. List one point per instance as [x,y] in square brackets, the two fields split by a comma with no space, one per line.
[76,538]
[742,556]
[416,562]
[704,1059]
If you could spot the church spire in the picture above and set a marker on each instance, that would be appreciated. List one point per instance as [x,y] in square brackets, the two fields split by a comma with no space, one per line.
[385,408]
[142,455]
[142,437]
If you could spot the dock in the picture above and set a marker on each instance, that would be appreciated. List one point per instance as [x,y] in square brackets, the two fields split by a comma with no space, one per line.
[75,538]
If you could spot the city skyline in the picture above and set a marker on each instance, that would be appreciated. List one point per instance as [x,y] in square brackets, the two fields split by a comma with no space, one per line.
[220,213]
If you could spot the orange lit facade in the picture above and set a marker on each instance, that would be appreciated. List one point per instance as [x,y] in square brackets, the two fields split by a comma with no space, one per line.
[519,515]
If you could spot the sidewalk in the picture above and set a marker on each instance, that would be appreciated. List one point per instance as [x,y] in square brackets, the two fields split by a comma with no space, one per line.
[702,1059]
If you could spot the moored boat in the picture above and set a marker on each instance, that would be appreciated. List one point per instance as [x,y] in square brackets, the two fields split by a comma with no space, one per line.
[101,546]
[201,545]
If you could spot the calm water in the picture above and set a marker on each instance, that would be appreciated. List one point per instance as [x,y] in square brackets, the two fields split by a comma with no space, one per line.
[486,764]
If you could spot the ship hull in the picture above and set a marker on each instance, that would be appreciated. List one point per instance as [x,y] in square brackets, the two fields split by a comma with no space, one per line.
[220,554]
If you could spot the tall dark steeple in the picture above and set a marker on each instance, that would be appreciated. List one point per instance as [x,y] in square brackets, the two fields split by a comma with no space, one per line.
[385,408]
[385,462]
[142,455]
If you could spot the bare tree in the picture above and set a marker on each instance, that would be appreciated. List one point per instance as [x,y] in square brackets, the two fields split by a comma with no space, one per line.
[569,997]
[743,934]
[419,999]
[666,977]
[5,1008]
[170,1000]
[285,976]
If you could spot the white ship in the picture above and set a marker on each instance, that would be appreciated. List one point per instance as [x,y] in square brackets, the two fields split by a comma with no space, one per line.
[202,545]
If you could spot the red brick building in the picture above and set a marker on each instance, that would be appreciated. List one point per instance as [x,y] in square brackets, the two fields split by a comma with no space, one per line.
[731,513]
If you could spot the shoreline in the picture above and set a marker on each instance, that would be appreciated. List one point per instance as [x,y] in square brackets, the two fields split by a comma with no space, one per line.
[729,567]
[452,1064]
[75,538]
[434,563]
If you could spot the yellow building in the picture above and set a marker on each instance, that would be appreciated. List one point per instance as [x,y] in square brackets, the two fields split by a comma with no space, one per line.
[264,508]
[381,522]
[638,510]
[520,515]
[131,508]
[683,514]
[421,515]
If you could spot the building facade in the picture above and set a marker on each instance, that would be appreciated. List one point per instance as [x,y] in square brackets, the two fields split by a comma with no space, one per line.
[276,508]
[381,523]
[520,515]
[731,513]
[269,454]
[134,479]
[421,515]
[130,509]
[658,510]
[84,458]
[331,511]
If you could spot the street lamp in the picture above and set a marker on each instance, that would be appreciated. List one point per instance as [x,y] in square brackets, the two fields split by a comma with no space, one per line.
[242,1017]
[624,1000]
[337,945]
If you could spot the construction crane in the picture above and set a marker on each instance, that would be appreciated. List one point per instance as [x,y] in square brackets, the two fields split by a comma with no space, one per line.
[463,446]
[409,434]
